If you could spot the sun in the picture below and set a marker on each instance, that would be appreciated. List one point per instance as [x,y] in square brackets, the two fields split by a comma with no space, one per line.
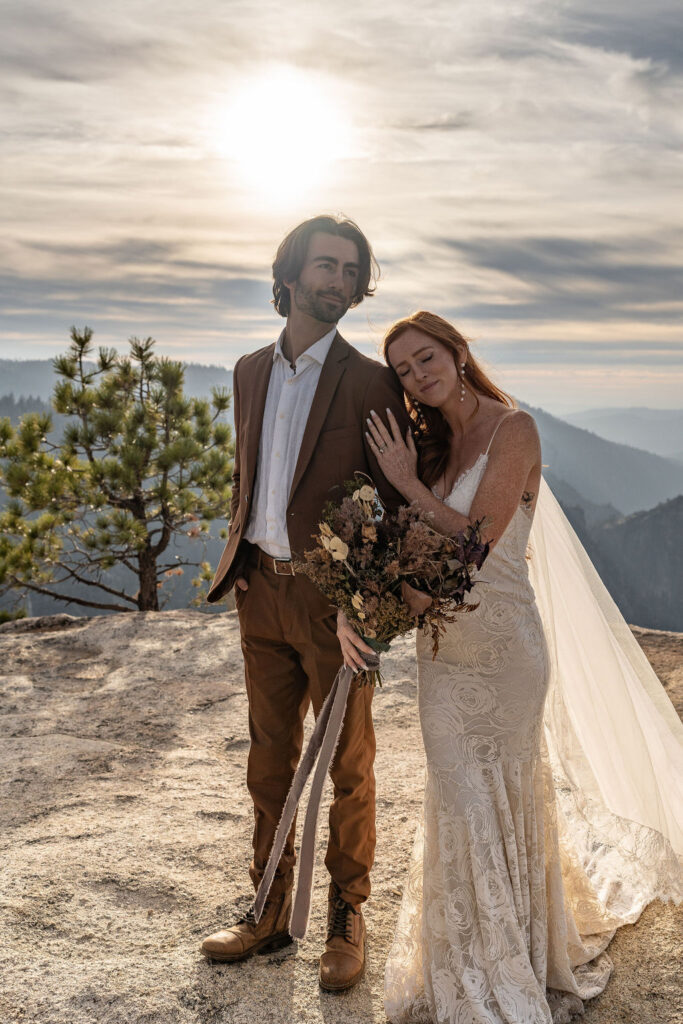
[283,131]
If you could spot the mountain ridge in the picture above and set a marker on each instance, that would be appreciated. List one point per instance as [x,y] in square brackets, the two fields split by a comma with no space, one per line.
[659,431]
[627,478]
[597,482]
[639,558]
[36,377]
[604,472]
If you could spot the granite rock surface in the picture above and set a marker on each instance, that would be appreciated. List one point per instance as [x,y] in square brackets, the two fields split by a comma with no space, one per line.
[126,829]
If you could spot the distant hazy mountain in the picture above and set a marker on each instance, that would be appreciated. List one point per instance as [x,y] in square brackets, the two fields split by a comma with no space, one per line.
[603,472]
[656,430]
[602,485]
[200,379]
[569,497]
[24,377]
[640,559]
[15,408]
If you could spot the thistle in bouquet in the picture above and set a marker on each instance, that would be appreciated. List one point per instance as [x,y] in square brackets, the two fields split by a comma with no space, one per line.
[364,554]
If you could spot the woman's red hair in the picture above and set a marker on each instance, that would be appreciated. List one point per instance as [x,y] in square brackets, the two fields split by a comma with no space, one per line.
[432,433]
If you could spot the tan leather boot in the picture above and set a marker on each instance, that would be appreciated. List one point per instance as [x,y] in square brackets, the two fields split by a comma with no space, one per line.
[246,937]
[342,963]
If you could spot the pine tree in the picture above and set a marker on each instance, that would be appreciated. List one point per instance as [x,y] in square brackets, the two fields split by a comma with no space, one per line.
[138,462]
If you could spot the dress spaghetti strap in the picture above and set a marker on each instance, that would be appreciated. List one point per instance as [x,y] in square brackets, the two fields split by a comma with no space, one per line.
[495,429]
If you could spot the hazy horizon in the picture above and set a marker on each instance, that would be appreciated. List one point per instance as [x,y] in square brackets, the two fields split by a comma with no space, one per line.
[556,409]
[516,169]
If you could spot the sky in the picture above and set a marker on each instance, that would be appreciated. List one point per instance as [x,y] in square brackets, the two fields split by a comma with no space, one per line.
[516,165]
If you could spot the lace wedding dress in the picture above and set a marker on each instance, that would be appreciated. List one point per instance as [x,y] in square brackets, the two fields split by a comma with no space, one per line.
[548,820]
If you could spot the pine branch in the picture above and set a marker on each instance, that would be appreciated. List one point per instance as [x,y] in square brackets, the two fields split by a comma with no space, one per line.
[174,565]
[64,597]
[83,555]
[96,583]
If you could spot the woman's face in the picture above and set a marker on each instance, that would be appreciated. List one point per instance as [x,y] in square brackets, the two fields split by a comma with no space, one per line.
[426,368]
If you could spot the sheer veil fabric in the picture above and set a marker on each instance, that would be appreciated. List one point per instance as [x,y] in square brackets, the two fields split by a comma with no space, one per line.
[614,738]
[587,814]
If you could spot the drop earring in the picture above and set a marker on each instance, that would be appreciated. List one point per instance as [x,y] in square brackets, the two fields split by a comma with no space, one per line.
[419,422]
[462,382]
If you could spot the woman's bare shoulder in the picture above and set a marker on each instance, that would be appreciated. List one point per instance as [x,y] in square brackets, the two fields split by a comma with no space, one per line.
[517,428]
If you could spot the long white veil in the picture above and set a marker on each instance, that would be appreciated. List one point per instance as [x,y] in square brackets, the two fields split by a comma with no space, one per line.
[614,739]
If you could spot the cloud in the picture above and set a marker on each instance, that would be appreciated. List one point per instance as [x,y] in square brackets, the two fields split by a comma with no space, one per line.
[444,122]
[571,352]
[136,287]
[42,42]
[515,166]
[627,26]
[570,278]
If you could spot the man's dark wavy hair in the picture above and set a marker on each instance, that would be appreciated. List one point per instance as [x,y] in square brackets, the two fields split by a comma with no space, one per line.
[291,255]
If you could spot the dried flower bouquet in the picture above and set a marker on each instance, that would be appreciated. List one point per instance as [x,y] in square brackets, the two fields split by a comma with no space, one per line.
[364,554]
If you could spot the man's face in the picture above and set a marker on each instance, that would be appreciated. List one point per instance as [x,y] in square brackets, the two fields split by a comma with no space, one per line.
[328,279]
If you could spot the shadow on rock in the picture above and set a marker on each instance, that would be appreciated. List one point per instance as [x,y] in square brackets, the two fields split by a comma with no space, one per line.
[258,989]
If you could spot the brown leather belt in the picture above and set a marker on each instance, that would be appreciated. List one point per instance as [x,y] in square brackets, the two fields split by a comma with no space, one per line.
[280,566]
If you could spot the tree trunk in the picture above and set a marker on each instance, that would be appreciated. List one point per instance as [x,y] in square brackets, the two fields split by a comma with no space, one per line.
[148,594]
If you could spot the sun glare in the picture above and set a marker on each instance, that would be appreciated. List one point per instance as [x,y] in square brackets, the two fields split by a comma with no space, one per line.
[284,130]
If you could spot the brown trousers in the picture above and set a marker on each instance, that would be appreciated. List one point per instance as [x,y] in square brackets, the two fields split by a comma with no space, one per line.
[291,656]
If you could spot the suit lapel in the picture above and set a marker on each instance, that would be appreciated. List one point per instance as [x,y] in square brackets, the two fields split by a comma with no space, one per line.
[332,372]
[255,396]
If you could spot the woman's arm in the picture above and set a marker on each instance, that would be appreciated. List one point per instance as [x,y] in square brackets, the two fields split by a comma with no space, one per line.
[514,454]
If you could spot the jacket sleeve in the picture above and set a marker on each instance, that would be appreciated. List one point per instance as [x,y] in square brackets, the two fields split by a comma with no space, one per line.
[384,392]
[235,493]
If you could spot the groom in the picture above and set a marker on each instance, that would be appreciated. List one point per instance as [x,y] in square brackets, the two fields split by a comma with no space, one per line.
[300,407]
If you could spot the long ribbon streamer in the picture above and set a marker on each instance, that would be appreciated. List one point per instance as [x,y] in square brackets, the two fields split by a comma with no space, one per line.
[323,742]
[304,884]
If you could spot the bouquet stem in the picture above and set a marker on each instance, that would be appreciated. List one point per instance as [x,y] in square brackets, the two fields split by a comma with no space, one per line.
[373,676]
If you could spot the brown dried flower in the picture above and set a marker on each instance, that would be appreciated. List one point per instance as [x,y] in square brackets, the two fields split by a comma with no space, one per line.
[363,553]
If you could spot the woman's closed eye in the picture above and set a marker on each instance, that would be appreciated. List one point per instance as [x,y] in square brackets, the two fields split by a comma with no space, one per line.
[403,373]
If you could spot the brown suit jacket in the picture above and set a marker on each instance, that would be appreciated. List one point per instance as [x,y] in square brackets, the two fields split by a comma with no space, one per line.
[333,448]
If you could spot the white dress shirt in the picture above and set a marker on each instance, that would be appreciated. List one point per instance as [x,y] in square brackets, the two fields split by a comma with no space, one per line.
[288,404]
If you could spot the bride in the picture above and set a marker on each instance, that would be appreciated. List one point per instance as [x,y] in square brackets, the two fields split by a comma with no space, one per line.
[549,804]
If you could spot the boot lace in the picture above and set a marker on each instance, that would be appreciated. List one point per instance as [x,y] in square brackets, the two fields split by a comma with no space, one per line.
[249,918]
[341,920]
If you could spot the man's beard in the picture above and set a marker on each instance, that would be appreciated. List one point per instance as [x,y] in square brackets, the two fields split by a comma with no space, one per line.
[313,304]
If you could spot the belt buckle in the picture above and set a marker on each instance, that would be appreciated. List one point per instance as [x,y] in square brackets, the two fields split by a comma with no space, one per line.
[282,561]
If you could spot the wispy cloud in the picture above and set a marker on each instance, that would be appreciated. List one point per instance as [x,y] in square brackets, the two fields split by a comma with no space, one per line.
[516,167]
[625,26]
[573,279]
